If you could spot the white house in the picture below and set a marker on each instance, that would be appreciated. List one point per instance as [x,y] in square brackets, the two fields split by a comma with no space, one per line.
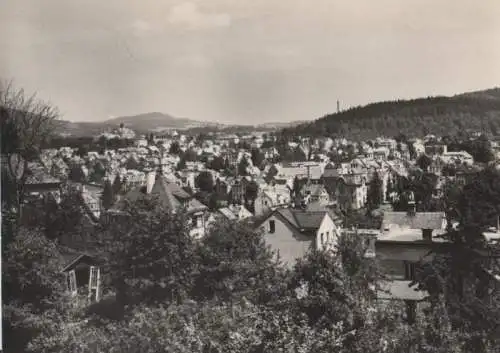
[291,232]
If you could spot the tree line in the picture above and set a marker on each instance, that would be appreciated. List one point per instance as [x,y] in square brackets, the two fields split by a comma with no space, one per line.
[418,117]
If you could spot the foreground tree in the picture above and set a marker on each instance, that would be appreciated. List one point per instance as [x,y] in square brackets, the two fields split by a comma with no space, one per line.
[33,286]
[151,254]
[459,272]
[235,262]
[26,124]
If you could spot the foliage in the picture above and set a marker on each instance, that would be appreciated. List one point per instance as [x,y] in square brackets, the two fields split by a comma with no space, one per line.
[257,157]
[441,115]
[117,185]
[27,123]
[205,181]
[190,155]
[64,220]
[479,205]
[217,163]
[235,262]
[424,162]
[32,284]
[98,172]
[108,196]
[479,148]
[182,164]
[151,254]
[457,272]
[174,148]
[375,192]
[242,166]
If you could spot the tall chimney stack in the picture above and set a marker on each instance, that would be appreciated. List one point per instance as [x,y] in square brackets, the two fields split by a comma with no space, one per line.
[338,106]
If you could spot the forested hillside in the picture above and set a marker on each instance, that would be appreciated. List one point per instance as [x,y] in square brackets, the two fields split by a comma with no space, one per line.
[475,111]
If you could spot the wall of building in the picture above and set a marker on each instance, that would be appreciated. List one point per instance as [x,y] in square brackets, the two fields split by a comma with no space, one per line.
[260,206]
[326,236]
[290,246]
[392,257]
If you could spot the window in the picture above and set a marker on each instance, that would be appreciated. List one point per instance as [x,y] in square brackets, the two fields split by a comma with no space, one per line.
[411,311]
[72,282]
[410,270]
[322,238]
[272,226]
[94,277]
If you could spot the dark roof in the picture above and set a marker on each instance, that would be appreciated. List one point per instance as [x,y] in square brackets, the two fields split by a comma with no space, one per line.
[80,259]
[170,195]
[163,191]
[300,219]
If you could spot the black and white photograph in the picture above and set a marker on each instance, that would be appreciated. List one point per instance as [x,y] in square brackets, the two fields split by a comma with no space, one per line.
[236,176]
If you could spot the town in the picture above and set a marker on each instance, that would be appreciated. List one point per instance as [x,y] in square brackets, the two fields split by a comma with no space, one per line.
[254,219]
[266,176]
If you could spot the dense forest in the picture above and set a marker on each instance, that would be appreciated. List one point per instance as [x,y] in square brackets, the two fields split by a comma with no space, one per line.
[476,111]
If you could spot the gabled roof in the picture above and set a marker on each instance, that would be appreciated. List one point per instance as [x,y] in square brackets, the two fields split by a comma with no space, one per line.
[79,259]
[170,195]
[164,194]
[302,220]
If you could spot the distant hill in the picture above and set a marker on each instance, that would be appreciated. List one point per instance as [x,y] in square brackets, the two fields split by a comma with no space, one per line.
[473,111]
[156,122]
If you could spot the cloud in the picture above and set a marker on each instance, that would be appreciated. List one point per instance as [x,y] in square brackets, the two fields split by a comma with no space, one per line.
[188,14]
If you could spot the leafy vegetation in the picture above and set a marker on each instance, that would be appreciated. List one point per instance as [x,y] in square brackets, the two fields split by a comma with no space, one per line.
[418,117]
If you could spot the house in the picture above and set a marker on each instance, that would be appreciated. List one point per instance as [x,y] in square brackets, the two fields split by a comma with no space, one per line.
[171,197]
[272,197]
[40,184]
[83,276]
[352,191]
[405,240]
[291,232]
[314,193]
[238,190]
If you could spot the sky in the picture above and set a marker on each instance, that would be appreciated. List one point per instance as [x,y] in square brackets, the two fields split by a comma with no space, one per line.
[244,61]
